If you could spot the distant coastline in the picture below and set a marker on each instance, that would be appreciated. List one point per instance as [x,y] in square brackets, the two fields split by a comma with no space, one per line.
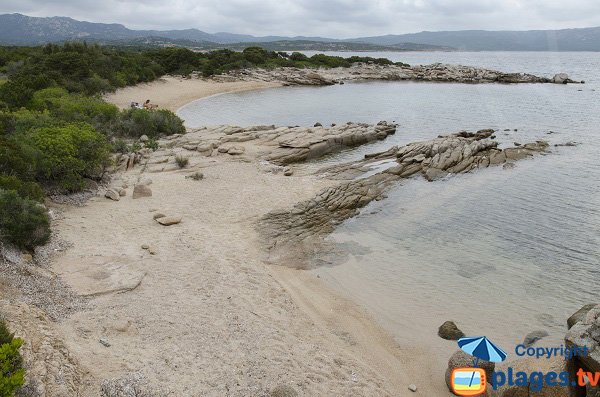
[21,29]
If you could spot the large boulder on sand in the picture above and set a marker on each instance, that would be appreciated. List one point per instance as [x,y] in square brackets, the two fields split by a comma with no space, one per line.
[460,359]
[587,333]
[450,331]
[141,190]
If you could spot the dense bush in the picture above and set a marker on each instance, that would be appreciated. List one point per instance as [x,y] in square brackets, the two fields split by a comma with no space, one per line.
[16,158]
[137,122]
[68,154]
[12,374]
[93,69]
[28,190]
[23,222]
[70,107]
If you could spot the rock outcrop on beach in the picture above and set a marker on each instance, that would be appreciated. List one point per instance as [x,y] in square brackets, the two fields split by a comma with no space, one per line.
[586,332]
[289,233]
[278,145]
[580,314]
[436,72]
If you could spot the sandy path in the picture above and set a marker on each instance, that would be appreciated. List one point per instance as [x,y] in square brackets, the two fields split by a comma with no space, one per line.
[173,92]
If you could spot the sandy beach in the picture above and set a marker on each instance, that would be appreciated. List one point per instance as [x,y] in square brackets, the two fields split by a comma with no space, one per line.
[171,92]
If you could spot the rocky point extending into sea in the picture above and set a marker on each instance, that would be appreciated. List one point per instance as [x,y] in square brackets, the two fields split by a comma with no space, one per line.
[436,72]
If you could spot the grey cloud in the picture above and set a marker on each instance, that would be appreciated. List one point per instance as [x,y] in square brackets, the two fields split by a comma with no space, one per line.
[332,18]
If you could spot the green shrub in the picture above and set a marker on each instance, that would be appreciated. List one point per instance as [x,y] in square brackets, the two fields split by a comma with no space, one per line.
[68,154]
[12,374]
[135,147]
[182,161]
[23,120]
[120,146]
[257,55]
[298,56]
[5,335]
[23,222]
[17,158]
[72,107]
[151,144]
[7,123]
[137,122]
[28,190]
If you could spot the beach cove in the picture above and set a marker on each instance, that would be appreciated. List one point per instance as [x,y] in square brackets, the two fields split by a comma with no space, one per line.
[200,306]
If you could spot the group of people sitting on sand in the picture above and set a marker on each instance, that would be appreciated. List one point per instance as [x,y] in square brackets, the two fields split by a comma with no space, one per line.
[147,105]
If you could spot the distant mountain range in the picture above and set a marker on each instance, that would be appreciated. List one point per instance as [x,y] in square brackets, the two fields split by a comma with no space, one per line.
[18,29]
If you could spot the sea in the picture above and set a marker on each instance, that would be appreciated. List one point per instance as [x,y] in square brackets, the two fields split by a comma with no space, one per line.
[501,252]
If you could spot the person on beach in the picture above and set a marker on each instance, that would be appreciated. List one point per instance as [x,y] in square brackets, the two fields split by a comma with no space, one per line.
[148,105]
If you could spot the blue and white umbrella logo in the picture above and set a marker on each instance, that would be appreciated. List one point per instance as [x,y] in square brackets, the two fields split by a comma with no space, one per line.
[482,348]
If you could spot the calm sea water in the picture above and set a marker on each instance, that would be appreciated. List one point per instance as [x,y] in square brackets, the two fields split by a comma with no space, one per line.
[501,252]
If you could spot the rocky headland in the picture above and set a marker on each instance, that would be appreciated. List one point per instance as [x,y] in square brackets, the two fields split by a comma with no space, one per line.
[436,72]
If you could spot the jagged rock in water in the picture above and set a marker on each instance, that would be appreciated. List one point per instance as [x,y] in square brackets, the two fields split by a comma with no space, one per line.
[288,234]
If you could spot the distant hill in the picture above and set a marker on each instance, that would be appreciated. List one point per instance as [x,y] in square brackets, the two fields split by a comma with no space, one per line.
[18,29]
[21,29]
[584,39]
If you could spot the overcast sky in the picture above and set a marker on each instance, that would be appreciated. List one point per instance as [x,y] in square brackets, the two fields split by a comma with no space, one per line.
[331,18]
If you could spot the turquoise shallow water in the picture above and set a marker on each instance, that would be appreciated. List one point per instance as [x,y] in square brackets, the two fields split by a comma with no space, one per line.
[501,252]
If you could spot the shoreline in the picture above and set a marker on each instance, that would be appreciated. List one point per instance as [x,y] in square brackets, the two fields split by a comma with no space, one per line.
[211,270]
[286,313]
[172,93]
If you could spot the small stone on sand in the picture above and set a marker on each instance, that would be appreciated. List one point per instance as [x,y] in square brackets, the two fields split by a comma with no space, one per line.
[169,220]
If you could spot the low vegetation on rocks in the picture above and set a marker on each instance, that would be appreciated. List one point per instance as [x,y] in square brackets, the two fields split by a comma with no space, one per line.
[182,161]
[12,374]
